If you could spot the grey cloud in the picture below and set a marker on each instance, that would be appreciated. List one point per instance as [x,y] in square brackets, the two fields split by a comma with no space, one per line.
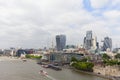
[34,23]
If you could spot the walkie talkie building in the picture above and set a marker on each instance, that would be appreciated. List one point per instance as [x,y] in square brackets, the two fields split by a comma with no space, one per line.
[60,42]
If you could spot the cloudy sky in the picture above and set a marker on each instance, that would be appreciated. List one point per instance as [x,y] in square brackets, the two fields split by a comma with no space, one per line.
[34,23]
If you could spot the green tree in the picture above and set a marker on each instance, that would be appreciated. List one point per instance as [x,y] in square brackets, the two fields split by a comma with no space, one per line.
[84,60]
[33,57]
[117,56]
[105,57]
[84,66]
[73,59]
[111,62]
[27,56]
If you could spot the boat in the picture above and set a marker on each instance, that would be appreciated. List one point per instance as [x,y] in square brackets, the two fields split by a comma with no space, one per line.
[54,67]
[44,73]
[45,66]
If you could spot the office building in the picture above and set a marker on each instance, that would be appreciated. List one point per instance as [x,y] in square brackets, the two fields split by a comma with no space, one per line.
[94,42]
[107,44]
[60,42]
[88,41]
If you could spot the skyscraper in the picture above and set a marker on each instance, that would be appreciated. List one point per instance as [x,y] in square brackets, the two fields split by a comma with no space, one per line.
[60,42]
[107,43]
[94,42]
[88,40]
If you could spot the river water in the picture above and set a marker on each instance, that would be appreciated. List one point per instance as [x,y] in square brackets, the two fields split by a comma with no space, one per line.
[19,70]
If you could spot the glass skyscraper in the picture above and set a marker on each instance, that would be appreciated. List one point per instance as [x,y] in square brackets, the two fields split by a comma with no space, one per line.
[60,42]
[107,43]
[88,40]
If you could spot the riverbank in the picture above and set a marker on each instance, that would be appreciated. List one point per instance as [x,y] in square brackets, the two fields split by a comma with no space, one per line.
[99,75]
[5,58]
[90,73]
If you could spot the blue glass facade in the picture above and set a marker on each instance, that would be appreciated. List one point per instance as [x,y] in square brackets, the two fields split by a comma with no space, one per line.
[107,43]
[64,57]
[60,42]
[88,40]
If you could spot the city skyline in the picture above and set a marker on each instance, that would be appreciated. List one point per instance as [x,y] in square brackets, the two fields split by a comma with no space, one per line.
[35,23]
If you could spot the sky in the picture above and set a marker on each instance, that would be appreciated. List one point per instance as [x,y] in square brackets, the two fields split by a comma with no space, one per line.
[35,23]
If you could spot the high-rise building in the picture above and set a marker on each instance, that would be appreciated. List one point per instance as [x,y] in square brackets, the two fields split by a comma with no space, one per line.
[107,44]
[97,45]
[60,42]
[88,40]
[94,42]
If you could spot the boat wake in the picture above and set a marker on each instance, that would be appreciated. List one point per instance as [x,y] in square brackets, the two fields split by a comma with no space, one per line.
[43,73]
[50,77]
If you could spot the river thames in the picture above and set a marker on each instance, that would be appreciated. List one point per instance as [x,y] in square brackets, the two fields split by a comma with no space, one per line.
[19,70]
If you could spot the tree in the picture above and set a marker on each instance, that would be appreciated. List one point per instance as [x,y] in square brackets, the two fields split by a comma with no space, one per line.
[117,56]
[105,57]
[33,57]
[84,66]
[73,59]
[84,60]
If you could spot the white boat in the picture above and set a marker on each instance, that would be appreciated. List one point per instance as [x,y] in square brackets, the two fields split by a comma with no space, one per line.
[43,73]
